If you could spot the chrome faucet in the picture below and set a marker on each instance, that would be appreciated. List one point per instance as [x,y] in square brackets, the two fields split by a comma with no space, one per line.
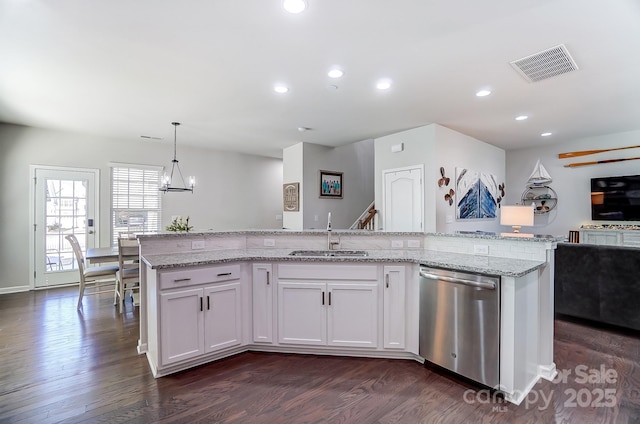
[331,243]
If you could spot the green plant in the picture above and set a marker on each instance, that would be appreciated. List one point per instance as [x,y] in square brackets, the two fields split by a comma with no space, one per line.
[179,225]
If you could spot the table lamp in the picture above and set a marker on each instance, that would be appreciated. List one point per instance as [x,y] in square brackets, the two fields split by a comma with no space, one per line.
[516,216]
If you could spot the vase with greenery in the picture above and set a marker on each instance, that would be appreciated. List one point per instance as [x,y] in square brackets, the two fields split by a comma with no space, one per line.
[179,225]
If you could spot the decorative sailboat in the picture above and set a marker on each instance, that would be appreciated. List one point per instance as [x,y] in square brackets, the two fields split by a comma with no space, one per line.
[539,176]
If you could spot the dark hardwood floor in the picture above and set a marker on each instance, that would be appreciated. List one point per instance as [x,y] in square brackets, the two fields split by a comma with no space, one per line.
[60,365]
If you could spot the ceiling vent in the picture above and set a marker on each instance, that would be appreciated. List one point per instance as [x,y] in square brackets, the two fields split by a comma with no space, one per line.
[545,64]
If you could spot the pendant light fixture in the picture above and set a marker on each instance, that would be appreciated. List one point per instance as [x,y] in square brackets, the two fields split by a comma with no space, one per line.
[167,180]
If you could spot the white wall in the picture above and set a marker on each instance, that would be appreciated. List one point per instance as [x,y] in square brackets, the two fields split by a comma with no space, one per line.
[233,191]
[419,149]
[571,184]
[456,150]
[436,146]
[292,171]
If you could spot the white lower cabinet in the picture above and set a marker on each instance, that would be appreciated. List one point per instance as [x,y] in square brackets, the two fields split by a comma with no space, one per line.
[302,315]
[197,321]
[394,307]
[181,325]
[222,316]
[341,312]
[204,313]
[262,296]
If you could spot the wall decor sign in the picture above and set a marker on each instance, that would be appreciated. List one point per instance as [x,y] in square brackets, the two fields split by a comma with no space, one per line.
[476,194]
[291,196]
[331,185]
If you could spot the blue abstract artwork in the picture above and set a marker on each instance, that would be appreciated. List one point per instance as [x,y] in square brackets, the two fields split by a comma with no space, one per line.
[476,194]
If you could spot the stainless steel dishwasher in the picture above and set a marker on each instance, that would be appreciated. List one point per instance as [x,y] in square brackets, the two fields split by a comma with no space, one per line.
[460,323]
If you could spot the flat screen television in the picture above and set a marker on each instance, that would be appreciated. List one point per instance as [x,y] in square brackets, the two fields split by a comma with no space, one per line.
[615,198]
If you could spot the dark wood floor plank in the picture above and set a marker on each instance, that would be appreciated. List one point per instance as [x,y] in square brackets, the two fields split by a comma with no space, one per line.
[61,365]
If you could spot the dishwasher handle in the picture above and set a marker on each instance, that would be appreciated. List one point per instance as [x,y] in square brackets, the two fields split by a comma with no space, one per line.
[489,285]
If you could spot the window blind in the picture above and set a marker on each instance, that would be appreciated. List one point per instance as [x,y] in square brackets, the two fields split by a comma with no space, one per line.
[135,200]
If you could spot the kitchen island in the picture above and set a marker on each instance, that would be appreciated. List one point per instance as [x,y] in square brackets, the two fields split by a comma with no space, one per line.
[205,296]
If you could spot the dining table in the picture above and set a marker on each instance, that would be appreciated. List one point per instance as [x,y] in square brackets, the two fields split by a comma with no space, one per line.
[99,255]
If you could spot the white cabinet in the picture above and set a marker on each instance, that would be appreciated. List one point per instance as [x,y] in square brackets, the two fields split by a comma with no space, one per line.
[302,313]
[352,314]
[610,237]
[181,325]
[394,314]
[222,316]
[262,296]
[198,320]
[332,305]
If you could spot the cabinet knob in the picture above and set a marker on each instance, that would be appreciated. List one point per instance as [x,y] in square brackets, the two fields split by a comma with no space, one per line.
[386,280]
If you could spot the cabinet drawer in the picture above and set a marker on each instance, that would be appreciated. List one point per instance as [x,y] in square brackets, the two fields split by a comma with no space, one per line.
[631,239]
[190,277]
[328,272]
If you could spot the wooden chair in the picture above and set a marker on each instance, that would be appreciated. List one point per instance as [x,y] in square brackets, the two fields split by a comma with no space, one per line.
[128,275]
[95,274]
[574,236]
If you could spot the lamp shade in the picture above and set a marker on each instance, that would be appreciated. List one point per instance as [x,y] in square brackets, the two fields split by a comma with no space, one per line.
[516,216]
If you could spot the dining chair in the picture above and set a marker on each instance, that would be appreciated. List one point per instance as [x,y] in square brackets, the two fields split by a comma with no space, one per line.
[128,275]
[100,276]
[574,236]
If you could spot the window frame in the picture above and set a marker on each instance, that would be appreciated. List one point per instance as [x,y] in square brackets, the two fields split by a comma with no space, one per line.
[148,198]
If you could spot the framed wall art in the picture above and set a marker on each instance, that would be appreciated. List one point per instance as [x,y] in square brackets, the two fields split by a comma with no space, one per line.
[476,194]
[331,185]
[291,197]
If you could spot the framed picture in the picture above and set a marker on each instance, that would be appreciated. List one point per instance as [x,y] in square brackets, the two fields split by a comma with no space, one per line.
[476,194]
[331,185]
[291,197]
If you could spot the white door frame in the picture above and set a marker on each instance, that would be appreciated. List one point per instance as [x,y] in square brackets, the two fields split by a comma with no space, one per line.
[32,211]
[420,168]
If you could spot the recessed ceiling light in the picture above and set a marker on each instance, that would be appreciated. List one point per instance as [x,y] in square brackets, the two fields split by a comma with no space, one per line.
[521,117]
[294,6]
[279,88]
[483,93]
[545,134]
[383,84]
[335,73]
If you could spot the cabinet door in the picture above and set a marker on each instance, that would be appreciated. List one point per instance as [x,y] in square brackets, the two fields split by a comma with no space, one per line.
[181,328]
[302,314]
[394,307]
[262,303]
[222,316]
[352,314]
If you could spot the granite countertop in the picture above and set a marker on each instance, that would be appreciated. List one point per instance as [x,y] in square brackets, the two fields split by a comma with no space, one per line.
[544,238]
[456,261]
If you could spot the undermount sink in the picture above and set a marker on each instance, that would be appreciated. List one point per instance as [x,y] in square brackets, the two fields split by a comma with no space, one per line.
[341,253]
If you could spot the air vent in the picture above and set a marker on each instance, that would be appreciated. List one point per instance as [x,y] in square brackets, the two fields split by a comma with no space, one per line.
[545,64]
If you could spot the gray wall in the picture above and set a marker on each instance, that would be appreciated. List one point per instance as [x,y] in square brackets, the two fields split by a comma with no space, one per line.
[233,191]
[572,184]
[355,161]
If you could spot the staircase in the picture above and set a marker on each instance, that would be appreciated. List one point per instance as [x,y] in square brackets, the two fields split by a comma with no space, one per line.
[366,220]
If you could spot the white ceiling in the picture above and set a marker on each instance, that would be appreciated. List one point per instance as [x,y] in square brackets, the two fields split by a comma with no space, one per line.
[122,68]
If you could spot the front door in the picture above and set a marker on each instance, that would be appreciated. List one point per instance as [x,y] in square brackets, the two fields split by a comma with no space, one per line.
[402,199]
[64,202]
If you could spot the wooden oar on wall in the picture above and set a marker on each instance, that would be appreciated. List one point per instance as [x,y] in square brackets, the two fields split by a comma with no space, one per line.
[596,162]
[591,152]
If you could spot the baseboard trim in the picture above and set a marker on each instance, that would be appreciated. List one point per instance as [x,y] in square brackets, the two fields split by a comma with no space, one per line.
[15,289]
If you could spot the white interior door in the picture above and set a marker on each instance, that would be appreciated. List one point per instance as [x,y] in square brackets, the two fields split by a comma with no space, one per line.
[403,199]
[64,202]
